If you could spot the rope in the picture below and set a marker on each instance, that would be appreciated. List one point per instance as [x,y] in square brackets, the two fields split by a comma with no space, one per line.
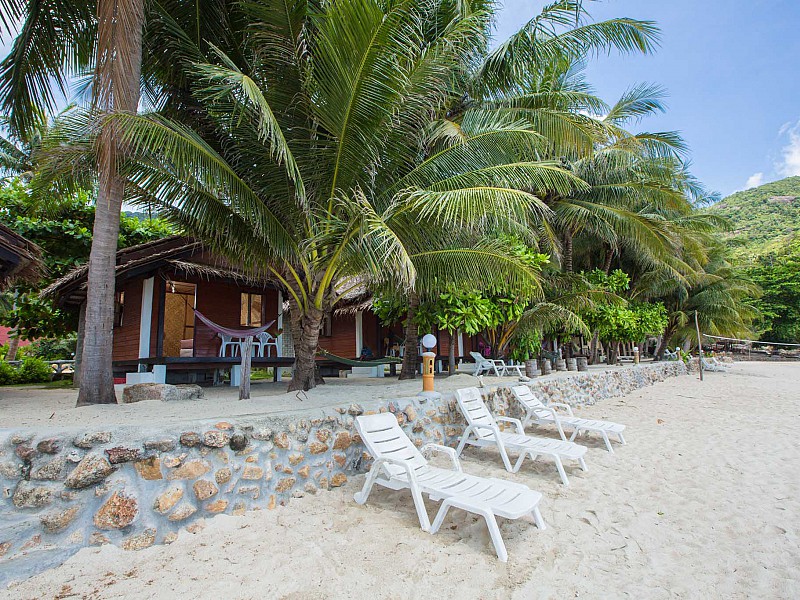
[360,363]
[236,333]
[727,339]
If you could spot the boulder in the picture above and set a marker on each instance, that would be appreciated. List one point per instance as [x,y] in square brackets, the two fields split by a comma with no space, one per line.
[89,440]
[160,391]
[27,495]
[59,520]
[92,469]
[117,512]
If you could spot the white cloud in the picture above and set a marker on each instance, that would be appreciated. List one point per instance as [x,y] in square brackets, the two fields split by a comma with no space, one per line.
[790,154]
[755,180]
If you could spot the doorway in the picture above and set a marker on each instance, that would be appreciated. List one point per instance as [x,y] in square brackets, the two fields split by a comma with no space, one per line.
[179,318]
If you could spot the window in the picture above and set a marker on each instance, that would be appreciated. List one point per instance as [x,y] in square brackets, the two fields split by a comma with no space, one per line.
[325,326]
[250,315]
[119,306]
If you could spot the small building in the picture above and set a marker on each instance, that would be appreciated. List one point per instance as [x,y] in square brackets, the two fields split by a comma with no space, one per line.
[20,259]
[160,284]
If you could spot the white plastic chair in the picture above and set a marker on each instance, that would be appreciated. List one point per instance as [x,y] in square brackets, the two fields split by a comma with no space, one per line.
[482,431]
[266,342]
[487,365]
[537,412]
[672,355]
[227,342]
[713,365]
[400,465]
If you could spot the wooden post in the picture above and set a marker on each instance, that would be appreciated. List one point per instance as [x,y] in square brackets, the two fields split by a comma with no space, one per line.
[244,380]
[699,346]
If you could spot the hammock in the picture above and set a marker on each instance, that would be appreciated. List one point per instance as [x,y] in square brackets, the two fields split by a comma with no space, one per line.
[236,333]
[387,360]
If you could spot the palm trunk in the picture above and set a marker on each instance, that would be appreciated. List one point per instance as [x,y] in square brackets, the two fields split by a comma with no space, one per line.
[568,253]
[13,346]
[451,353]
[607,262]
[305,335]
[665,340]
[76,366]
[410,356]
[116,89]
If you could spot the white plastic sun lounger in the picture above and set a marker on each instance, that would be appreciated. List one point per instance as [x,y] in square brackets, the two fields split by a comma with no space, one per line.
[713,365]
[537,412]
[400,465]
[498,366]
[482,431]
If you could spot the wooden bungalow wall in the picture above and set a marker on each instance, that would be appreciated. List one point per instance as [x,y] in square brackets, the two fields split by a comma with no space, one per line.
[220,302]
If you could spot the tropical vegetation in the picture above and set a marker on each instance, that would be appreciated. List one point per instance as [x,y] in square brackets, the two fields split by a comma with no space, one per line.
[470,184]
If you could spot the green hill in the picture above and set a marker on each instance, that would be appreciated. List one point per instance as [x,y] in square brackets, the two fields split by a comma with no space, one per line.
[763,218]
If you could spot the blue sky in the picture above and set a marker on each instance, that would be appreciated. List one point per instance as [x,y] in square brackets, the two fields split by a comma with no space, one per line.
[731,70]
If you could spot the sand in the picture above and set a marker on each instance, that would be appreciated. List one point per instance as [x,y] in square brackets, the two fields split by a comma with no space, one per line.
[703,502]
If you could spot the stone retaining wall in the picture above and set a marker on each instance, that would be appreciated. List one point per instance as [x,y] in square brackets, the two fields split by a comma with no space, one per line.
[134,487]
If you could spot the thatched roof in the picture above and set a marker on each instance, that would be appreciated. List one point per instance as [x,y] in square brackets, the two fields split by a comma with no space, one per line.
[20,259]
[175,252]
[180,254]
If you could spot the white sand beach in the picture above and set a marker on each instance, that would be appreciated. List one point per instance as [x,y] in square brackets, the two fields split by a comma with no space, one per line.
[703,502]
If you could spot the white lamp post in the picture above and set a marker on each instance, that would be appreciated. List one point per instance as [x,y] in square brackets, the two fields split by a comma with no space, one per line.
[429,342]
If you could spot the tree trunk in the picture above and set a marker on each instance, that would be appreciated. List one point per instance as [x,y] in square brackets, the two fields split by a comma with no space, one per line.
[410,356]
[13,346]
[594,347]
[305,334]
[451,353]
[665,340]
[612,353]
[76,366]
[607,262]
[568,251]
[116,89]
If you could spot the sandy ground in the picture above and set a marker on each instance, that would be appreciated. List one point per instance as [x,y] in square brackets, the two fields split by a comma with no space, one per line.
[35,406]
[703,502]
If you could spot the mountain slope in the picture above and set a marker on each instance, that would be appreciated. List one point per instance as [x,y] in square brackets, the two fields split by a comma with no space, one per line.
[763,218]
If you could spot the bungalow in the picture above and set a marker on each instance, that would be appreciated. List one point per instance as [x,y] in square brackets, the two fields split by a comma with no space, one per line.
[19,258]
[160,285]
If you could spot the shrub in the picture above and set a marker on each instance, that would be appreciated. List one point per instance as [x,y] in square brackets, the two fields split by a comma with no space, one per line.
[53,348]
[8,374]
[34,370]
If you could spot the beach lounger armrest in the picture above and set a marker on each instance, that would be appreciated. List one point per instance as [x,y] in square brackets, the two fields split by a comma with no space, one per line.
[517,422]
[412,477]
[566,407]
[451,452]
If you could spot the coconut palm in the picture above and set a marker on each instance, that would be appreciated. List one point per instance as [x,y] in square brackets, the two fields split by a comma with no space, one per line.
[58,41]
[349,178]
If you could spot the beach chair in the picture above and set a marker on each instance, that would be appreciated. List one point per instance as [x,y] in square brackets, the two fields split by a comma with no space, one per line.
[265,343]
[713,365]
[482,430]
[672,355]
[487,365]
[228,342]
[537,412]
[400,465]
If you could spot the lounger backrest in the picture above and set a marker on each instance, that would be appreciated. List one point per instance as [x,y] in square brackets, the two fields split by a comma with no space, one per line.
[529,400]
[477,356]
[384,439]
[471,405]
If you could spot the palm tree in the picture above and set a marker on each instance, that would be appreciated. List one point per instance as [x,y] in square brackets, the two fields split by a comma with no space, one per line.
[59,41]
[350,177]
[719,293]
